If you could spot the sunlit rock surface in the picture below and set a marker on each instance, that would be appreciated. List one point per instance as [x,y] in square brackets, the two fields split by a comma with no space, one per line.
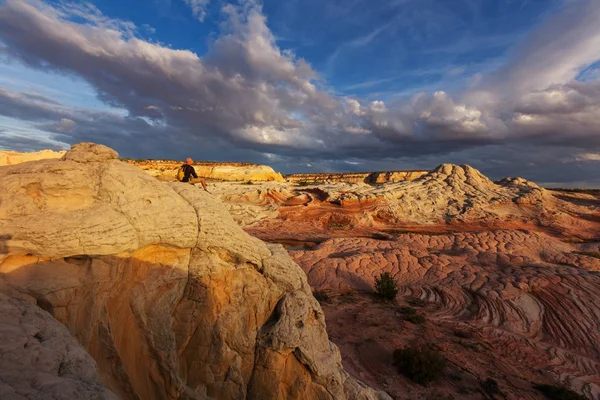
[14,157]
[166,170]
[161,287]
[515,265]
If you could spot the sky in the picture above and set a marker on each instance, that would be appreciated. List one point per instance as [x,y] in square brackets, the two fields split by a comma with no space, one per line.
[511,87]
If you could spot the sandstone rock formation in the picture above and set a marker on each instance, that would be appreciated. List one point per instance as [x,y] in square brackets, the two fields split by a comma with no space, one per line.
[513,264]
[355,177]
[166,170]
[161,287]
[532,299]
[15,157]
[449,198]
[40,359]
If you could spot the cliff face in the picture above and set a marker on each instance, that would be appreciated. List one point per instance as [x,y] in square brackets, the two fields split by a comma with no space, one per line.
[161,287]
[14,157]
[167,169]
[356,177]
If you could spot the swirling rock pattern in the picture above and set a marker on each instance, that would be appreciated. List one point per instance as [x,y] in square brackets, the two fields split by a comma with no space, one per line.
[450,198]
[533,297]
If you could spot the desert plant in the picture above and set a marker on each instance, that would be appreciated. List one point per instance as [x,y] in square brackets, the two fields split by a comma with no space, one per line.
[410,314]
[248,183]
[558,393]
[490,387]
[463,334]
[321,296]
[421,364]
[385,286]
[588,254]
[305,183]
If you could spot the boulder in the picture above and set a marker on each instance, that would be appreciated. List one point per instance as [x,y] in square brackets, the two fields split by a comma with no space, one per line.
[161,286]
[39,359]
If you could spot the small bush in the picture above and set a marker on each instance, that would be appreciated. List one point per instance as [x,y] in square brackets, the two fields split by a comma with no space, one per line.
[490,387]
[385,286]
[248,183]
[305,183]
[348,297]
[321,296]
[558,393]
[421,364]
[588,254]
[410,314]
[463,334]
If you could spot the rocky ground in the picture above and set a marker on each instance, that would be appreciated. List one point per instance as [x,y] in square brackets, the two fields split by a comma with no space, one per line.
[163,295]
[506,276]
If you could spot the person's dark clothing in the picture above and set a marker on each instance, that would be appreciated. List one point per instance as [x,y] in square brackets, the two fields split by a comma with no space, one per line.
[188,170]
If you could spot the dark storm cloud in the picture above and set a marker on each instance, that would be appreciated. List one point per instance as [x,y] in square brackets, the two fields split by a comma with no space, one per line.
[247,98]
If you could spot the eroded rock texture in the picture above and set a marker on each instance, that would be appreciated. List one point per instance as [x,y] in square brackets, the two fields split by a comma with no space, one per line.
[166,170]
[40,359]
[356,177]
[15,157]
[161,287]
[534,298]
[514,264]
[450,198]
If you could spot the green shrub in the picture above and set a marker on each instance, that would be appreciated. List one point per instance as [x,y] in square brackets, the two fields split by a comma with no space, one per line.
[385,286]
[559,393]
[421,364]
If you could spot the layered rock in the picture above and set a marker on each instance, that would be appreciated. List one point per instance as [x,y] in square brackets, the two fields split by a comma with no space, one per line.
[529,298]
[355,177]
[449,198]
[166,170]
[161,287]
[15,157]
[39,359]
[509,263]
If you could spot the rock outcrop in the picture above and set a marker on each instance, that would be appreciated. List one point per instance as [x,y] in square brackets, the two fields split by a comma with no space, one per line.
[166,170]
[15,157]
[531,299]
[513,268]
[379,177]
[161,287]
[451,197]
[39,359]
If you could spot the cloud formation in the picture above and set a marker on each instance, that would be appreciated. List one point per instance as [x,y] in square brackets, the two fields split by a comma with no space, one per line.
[198,8]
[247,93]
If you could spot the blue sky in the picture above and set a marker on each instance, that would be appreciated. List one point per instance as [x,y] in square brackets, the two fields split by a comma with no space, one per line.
[509,86]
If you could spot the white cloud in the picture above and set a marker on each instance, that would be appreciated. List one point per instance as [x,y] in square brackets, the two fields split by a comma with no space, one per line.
[198,8]
[65,125]
[588,157]
[249,93]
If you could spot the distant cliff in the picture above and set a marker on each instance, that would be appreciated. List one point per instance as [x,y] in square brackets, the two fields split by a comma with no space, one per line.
[223,171]
[357,177]
[14,157]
